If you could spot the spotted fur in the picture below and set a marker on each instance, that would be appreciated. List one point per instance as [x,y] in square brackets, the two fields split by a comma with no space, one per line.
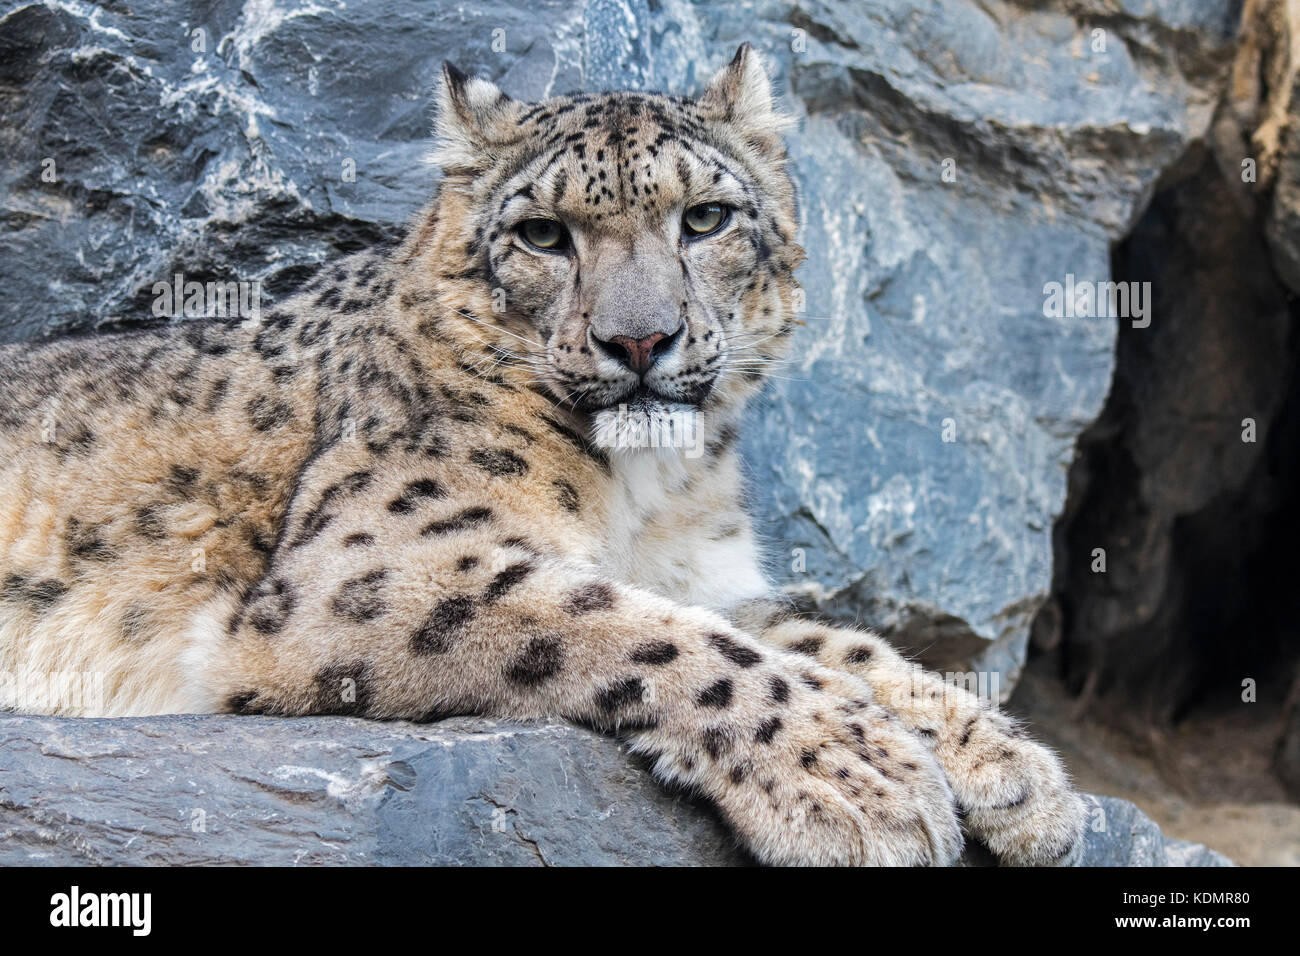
[409,491]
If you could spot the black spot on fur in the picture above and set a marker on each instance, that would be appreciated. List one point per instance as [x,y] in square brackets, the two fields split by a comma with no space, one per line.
[521,544]
[328,299]
[809,645]
[540,659]
[466,563]
[966,733]
[727,436]
[87,543]
[717,741]
[507,580]
[349,485]
[261,542]
[215,395]
[568,496]
[313,523]
[767,730]
[458,522]
[361,599]
[812,681]
[266,413]
[343,690]
[737,653]
[270,605]
[523,433]
[181,479]
[441,627]
[597,596]
[656,653]
[358,540]
[807,759]
[149,522]
[499,462]
[858,655]
[779,690]
[40,594]
[630,690]
[82,439]
[717,694]
[413,493]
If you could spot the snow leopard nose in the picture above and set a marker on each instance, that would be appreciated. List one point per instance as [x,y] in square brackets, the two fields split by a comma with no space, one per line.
[639,355]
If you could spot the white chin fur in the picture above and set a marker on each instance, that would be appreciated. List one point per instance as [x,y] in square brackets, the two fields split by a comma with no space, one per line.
[670,428]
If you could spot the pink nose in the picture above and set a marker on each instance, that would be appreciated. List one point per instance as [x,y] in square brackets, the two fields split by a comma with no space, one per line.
[637,354]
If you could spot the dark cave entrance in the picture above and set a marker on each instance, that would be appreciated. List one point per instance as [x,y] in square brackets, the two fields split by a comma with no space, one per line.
[1200,592]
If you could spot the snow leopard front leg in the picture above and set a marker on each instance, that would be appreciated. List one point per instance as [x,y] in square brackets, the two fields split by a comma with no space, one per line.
[1013,792]
[412,602]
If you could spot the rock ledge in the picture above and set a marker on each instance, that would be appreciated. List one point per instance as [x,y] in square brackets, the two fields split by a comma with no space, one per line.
[330,790]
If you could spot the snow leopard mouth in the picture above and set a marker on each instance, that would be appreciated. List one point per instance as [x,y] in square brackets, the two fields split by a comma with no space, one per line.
[647,400]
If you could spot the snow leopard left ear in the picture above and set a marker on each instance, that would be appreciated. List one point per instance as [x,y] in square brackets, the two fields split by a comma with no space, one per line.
[741,94]
[473,117]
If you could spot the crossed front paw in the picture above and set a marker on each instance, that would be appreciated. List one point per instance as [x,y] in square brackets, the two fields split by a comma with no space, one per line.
[1014,792]
[837,782]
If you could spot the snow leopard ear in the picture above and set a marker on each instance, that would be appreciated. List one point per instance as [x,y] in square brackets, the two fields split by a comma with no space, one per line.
[473,117]
[741,94]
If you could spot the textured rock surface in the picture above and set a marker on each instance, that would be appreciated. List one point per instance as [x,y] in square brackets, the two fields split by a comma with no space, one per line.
[215,139]
[1122,835]
[927,299]
[201,790]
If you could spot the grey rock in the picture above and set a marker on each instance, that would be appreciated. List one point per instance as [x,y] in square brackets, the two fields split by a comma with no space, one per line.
[926,301]
[331,790]
[1119,834]
[925,297]
[193,790]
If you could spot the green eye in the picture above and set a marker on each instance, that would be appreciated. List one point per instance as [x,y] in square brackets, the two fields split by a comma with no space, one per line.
[705,218]
[544,234]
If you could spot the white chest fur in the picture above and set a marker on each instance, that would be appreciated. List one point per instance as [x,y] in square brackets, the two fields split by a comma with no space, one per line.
[675,528]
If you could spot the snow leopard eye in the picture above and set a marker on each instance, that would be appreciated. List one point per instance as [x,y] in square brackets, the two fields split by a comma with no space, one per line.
[545,234]
[705,219]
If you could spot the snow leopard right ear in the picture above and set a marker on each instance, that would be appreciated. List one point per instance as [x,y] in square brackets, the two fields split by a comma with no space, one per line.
[473,117]
[740,94]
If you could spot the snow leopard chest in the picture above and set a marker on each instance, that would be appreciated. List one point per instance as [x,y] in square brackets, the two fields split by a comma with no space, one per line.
[675,528]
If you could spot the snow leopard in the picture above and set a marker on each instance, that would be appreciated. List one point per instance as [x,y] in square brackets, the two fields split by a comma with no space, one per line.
[492,468]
